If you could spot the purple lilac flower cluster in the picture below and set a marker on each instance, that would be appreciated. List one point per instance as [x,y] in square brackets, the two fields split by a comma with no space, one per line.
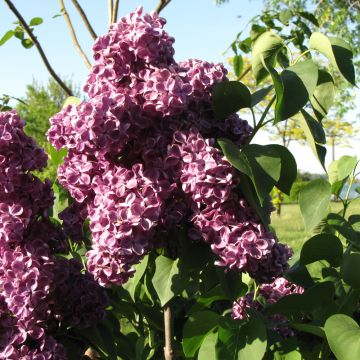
[142,157]
[32,278]
[269,294]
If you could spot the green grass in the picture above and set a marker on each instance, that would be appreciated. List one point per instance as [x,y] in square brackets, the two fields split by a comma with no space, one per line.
[289,226]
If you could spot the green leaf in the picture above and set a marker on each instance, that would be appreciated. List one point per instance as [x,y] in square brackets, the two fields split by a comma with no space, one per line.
[299,83]
[319,296]
[342,168]
[229,97]
[252,340]
[350,269]
[208,347]
[285,16]
[309,16]
[249,192]
[337,51]
[288,172]
[238,64]
[318,150]
[339,171]
[337,223]
[231,284]
[315,127]
[57,157]
[265,49]
[322,247]
[323,96]
[167,281]
[196,328]
[309,328]
[36,21]
[8,35]
[71,100]
[314,200]
[260,95]
[343,335]
[132,283]
[261,163]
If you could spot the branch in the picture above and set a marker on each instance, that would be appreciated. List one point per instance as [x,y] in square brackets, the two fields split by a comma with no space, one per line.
[115,11]
[111,8]
[244,73]
[38,46]
[85,19]
[73,35]
[161,5]
[168,329]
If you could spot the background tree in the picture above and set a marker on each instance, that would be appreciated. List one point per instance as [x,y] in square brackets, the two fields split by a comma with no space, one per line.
[39,104]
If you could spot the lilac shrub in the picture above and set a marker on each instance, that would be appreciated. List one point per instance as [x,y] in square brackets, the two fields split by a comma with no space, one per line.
[142,157]
[37,288]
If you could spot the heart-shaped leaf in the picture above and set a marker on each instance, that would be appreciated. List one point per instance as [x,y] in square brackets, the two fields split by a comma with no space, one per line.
[337,51]
[196,328]
[318,150]
[229,97]
[314,200]
[322,247]
[350,269]
[299,83]
[167,280]
[265,49]
[343,335]
[323,96]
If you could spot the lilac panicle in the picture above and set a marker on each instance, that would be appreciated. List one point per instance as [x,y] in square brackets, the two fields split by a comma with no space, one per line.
[142,157]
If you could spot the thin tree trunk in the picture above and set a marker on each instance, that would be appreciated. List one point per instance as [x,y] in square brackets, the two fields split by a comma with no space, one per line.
[168,329]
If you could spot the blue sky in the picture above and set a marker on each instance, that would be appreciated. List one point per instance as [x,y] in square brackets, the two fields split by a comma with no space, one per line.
[201,28]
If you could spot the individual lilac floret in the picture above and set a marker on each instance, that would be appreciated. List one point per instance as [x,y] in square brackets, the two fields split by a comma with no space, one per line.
[133,42]
[269,294]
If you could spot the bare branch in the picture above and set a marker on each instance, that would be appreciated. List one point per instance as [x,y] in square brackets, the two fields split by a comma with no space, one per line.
[38,47]
[85,19]
[115,11]
[161,5]
[111,7]
[73,35]
[168,330]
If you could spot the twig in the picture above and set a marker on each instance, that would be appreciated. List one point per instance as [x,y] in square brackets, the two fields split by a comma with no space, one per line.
[168,328]
[161,5]
[244,74]
[111,7]
[85,19]
[115,11]
[38,46]
[73,35]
